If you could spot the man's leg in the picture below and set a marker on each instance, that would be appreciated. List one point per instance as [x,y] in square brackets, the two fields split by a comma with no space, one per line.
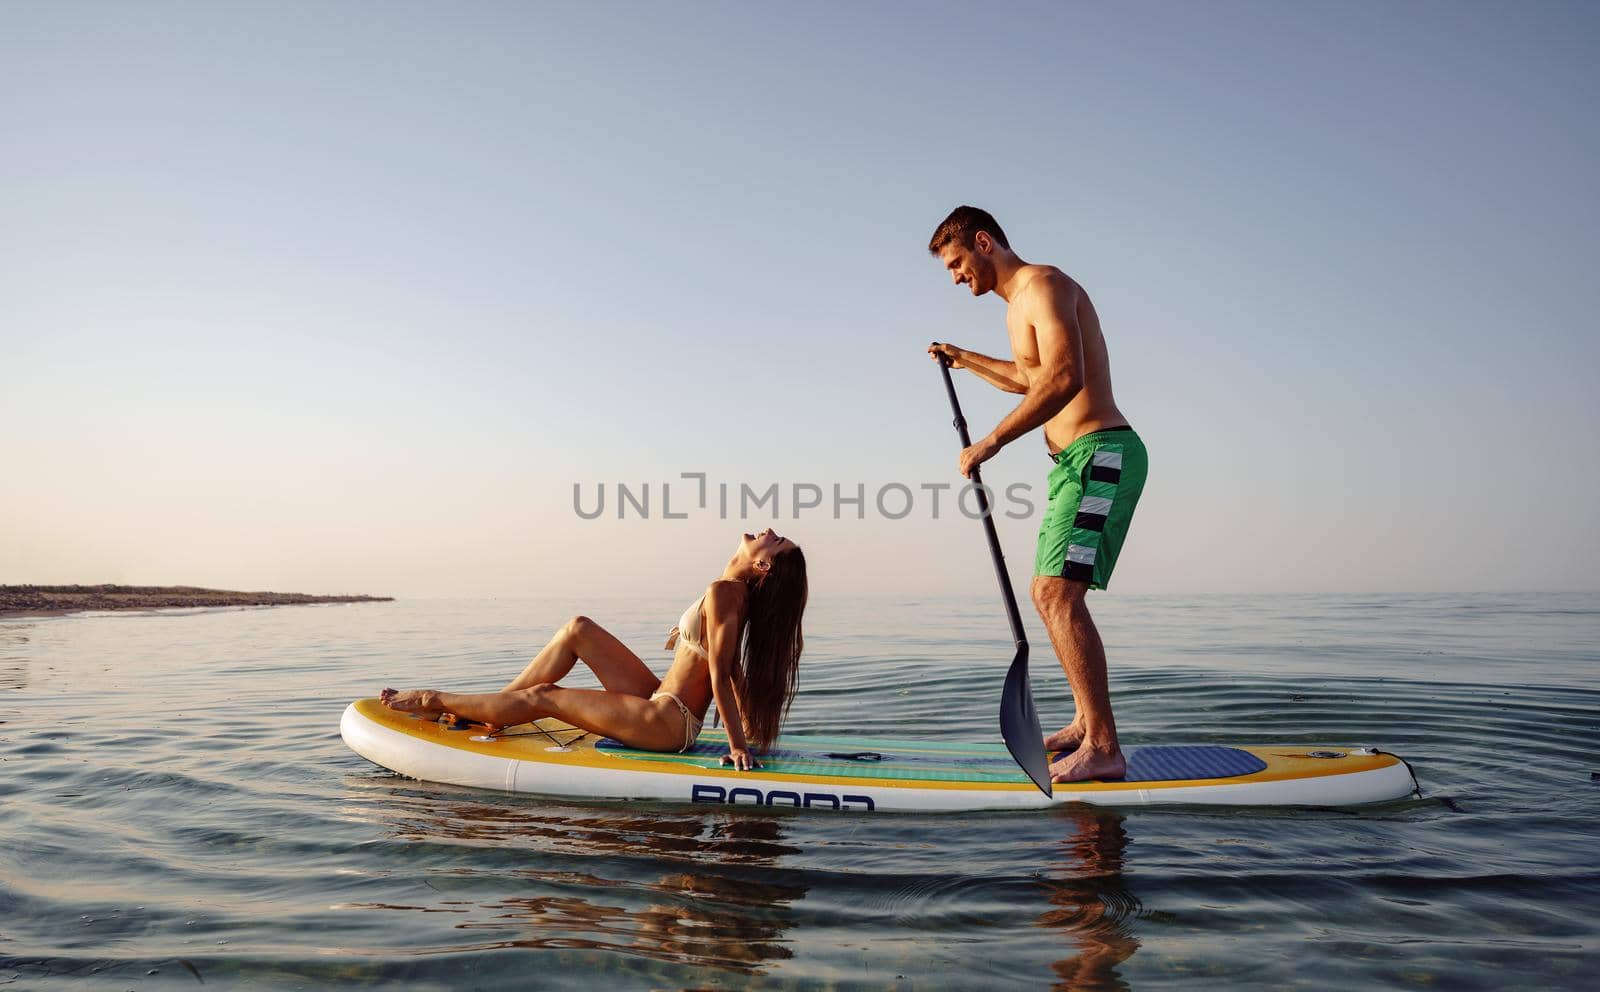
[1072,632]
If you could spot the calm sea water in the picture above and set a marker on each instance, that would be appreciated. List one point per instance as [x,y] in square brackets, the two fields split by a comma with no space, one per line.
[176,807]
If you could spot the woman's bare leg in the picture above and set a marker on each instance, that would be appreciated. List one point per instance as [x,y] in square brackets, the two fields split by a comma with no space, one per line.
[628,685]
[581,639]
[633,721]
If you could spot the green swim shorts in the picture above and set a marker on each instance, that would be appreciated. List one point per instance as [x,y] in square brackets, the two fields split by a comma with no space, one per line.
[1092,493]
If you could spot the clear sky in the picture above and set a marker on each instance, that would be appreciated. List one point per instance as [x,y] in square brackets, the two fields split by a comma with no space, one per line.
[348,297]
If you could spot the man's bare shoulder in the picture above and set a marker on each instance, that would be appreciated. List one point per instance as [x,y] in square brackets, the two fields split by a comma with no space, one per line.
[1049,288]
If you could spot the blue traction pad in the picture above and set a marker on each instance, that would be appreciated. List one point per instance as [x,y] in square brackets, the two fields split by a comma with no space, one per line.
[1176,763]
[1154,763]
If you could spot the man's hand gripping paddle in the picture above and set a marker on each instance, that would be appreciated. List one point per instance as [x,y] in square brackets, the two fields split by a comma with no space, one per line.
[1019,721]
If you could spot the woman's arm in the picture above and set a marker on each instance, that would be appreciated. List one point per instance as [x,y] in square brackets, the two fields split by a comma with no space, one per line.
[726,601]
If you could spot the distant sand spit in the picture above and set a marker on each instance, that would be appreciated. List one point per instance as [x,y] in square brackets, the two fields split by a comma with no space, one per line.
[49,600]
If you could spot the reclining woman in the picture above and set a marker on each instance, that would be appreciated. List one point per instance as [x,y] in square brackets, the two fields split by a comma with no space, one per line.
[738,645]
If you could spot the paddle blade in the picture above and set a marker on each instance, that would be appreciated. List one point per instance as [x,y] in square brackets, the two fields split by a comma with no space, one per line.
[1019,724]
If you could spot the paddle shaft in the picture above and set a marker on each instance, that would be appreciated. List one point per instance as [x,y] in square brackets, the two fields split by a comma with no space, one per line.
[1019,720]
[1000,572]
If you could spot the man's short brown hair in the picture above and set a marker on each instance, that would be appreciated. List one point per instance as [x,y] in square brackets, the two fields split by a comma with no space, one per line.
[962,226]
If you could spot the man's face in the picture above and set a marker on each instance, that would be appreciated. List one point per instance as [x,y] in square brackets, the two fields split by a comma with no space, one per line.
[969,267]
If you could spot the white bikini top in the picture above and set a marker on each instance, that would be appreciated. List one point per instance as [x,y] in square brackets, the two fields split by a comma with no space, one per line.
[690,630]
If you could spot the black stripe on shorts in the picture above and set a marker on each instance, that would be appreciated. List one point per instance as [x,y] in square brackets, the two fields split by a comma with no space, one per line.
[1078,571]
[1090,521]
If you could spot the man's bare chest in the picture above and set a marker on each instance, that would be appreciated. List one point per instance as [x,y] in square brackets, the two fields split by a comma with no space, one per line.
[1024,344]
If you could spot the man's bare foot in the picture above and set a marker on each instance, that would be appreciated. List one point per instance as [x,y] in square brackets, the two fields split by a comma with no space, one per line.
[1088,764]
[1067,738]
[423,702]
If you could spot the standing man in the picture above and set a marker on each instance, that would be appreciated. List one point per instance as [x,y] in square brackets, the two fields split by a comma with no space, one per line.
[1061,369]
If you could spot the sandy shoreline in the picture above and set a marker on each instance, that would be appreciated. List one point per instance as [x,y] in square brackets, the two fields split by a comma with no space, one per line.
[48,601]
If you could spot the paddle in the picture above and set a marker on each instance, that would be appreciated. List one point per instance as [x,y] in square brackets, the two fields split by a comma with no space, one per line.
[1019,721]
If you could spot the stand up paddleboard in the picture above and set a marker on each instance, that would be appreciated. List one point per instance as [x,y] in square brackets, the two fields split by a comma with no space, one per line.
[856,775]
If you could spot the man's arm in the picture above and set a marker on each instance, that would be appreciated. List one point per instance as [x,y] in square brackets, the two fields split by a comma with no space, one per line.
[1054,316]
[1002,375]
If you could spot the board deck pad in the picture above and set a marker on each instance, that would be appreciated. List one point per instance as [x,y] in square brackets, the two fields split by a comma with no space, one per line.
[932,761]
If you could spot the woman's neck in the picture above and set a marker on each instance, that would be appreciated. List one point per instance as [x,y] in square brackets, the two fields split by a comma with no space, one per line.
[739,569]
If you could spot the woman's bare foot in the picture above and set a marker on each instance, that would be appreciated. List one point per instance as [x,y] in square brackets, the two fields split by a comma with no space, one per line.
[1068,738]
[1090,763]
[424,702]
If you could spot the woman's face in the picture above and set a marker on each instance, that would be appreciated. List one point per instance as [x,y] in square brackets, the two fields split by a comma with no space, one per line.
[763,546]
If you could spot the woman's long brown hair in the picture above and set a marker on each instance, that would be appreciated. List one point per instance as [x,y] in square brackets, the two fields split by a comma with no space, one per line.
[770,668]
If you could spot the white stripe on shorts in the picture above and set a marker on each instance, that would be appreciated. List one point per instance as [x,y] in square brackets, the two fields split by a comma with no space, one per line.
[1097,505]
[1080,554]
[1107,459]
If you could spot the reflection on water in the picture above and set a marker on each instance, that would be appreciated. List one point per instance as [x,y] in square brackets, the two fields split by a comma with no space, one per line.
[1092,907]
[698,888]
[13,660]
[704,887]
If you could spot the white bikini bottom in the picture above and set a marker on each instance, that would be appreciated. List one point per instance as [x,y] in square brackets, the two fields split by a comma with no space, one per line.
[691,723]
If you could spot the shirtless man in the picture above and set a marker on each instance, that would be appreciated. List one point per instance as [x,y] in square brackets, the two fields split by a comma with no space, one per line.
[1062,371]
